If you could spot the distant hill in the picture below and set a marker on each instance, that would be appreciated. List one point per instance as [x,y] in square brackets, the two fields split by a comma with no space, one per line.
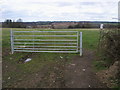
[68,24]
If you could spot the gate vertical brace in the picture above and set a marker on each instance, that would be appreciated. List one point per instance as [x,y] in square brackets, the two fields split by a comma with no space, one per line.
[77,41]
[80,43]
[33,40]
[12,41]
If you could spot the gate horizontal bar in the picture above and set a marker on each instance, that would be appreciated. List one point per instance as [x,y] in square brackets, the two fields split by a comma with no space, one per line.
[45,35]
[43,49]
[45,31]
[45,40]
[30,41]
[42,43]
[47,51]
[43,46]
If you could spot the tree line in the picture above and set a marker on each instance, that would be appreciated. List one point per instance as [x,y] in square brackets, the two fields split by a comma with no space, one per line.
[8,23]
[94,25]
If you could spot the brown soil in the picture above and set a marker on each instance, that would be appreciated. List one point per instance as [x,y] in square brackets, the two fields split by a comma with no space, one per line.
[80,73]
[61,74]
[109,76]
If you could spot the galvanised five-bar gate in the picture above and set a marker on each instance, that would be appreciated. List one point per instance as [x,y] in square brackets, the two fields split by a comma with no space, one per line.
[46,41]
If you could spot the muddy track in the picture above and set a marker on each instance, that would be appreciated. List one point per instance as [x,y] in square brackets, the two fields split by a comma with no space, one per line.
[80,73]
[77,74]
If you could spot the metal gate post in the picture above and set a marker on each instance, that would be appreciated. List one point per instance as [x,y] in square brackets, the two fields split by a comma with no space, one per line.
[80,43]
[11,37]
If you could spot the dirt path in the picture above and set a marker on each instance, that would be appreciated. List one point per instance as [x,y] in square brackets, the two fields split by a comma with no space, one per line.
[77,74]
[80,74]
[61,74]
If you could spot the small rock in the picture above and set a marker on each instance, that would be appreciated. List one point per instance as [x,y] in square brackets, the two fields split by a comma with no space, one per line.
[83,70]
[61,57]
[116,63]
[55,68]
[89,86]
[73,64]
[9,77]
[72,82]
[6,66]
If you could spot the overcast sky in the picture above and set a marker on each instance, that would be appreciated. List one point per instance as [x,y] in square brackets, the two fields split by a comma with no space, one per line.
[59,10]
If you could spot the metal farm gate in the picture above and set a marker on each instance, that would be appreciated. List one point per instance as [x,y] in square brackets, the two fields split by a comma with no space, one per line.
[46,41]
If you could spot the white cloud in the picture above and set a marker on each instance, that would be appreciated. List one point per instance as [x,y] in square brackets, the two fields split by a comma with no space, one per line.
[37,10]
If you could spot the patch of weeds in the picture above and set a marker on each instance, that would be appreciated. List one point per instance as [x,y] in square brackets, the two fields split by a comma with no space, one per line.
[106,60]
[54,77]
[114,81]
[68,57]
[102,62]
[99,65]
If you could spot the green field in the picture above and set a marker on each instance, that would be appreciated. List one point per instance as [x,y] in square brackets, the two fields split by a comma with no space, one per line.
[90,37]
[13,71]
